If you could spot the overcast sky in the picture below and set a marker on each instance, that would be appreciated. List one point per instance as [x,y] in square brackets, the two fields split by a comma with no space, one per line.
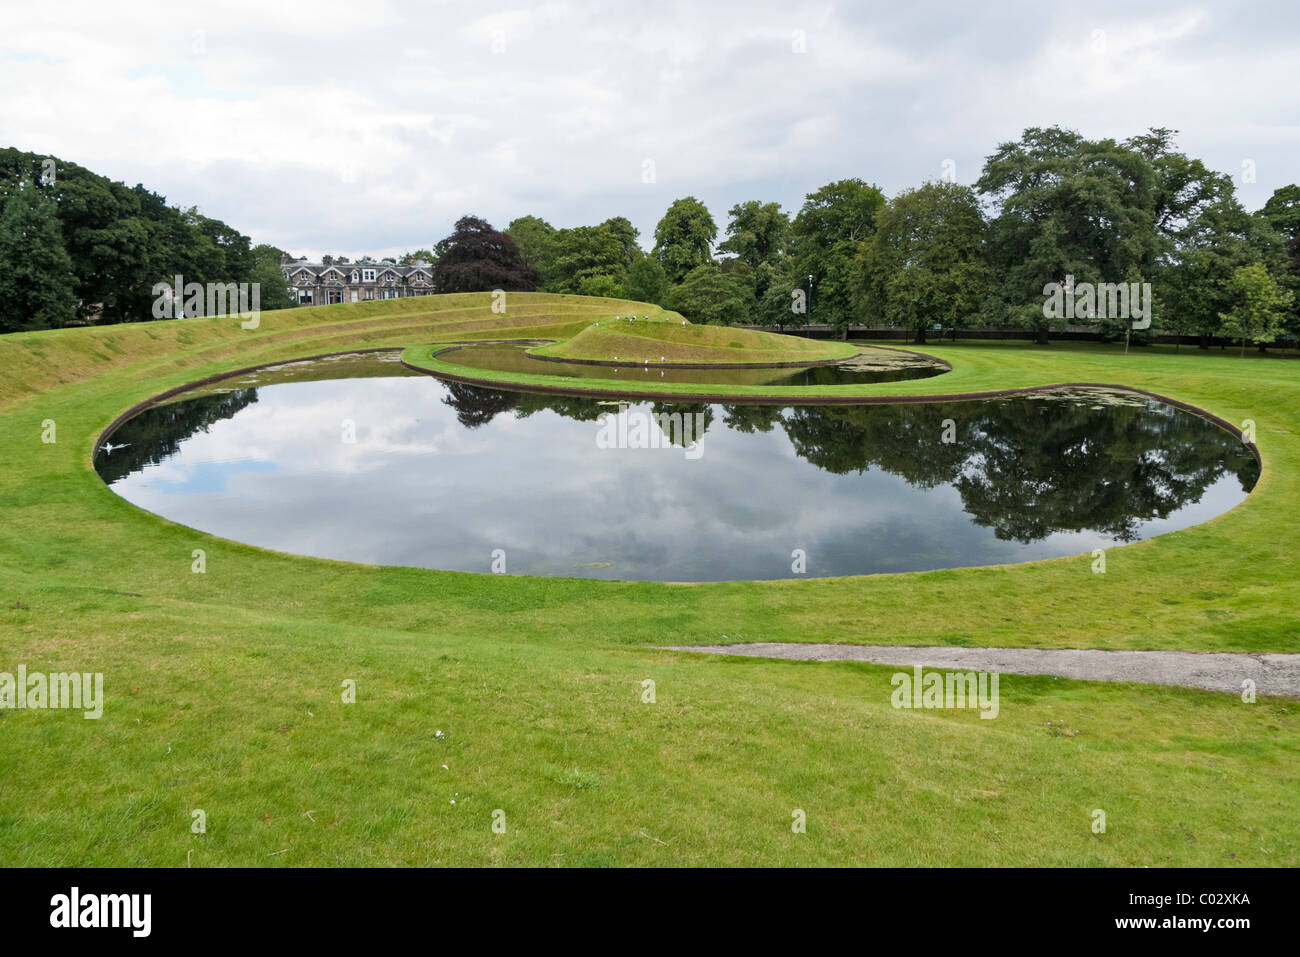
[371,127]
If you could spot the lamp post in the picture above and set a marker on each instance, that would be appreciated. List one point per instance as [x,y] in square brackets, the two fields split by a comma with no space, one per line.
[808,314]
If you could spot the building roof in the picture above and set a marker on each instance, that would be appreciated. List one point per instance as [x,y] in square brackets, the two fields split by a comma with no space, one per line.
[292,269]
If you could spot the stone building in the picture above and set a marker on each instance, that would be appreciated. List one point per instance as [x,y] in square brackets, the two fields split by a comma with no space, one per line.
[341,280]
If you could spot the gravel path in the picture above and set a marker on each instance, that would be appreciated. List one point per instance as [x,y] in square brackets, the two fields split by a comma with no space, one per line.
[1217,671]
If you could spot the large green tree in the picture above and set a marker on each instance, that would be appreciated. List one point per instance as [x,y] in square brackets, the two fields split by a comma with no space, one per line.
[1194,285]
[273,289]
[627,235]
[707,295]
[828,233]
[684,238]
[593,256]
[1067,206]
[1259,306]
[535,238]
[122,240]
[925,265]
[35,270]
[646,281]
[1204,235]
[757,232]
[1282,213]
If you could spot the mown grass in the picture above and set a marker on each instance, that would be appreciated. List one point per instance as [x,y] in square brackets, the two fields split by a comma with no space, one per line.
[661,340]
[223,688]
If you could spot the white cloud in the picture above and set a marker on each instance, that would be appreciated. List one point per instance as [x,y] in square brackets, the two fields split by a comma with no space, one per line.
[333,127]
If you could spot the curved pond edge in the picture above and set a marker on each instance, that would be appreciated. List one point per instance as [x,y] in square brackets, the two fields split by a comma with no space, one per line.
[776,395]
[1208,416]
[443,370]
[701,365]
[715,398]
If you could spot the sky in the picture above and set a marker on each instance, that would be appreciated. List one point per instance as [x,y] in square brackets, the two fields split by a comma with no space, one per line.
[370,128]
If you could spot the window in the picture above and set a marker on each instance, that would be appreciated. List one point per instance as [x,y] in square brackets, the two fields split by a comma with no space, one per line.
[368,275]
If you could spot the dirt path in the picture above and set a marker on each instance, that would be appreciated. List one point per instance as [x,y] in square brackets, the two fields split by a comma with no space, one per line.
[1216,671]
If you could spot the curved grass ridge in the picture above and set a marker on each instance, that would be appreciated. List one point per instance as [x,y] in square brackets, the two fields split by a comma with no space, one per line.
[660,340]
[223,687]
[431,359]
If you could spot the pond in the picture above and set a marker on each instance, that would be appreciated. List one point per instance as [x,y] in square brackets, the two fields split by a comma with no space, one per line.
[877,365]
[360,459]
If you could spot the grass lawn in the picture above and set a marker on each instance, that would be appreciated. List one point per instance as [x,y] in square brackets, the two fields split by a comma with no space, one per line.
[663,340]
[223,688]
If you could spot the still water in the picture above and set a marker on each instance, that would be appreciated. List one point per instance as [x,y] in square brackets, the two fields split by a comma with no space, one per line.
[362,460]
[874,365]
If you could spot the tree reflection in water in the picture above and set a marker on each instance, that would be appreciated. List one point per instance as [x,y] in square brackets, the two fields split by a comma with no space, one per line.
[1024,466]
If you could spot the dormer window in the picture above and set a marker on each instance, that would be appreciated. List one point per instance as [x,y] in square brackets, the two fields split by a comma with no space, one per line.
[354,275]
[368,275]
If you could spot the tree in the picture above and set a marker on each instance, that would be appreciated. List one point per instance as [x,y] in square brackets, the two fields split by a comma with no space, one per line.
[477,258]
[121,241]
[35,270]
[843,211]
[627,235]
[925,264]
[1194,288]
[1067,206]
[273,291]
[708,296]
[1204,235]
[684,238]
[1258,306]
[757,232]
[828,231]
[534,237]
[581,255]
[1282,213]
[646,281]
[601,285]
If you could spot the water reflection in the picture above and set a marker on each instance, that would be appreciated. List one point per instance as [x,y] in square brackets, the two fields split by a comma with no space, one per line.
[440,475]
[872,365]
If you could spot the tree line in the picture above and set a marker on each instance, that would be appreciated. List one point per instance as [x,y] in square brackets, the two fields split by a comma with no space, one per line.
[1048,206]
[77,247]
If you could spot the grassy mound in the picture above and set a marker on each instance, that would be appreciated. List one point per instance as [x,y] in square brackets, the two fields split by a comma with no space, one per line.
[663,338]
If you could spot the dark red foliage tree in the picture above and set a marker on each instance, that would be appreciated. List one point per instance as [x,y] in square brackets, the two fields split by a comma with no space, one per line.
[477,258]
